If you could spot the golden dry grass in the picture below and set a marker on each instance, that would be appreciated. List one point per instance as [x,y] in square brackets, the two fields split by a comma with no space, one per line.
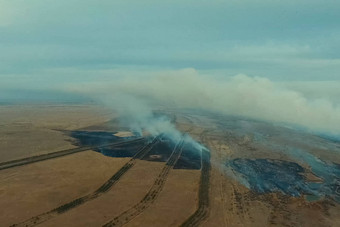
[33,189]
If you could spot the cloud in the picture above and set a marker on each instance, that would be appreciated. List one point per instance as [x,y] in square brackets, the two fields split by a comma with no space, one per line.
[274,39]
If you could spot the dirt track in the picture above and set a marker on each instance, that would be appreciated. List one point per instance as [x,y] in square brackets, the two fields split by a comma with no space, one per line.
[202,211]
[104,188]
[43,157]
[151,196]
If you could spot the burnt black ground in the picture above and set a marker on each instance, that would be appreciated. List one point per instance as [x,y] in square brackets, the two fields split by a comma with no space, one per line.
[95,138]
[190,158]
[270,175]
[161,152]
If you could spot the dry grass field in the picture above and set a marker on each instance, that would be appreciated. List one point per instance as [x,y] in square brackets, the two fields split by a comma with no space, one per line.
[90,189]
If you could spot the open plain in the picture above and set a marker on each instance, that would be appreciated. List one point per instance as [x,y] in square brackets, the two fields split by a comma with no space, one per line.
[248,173]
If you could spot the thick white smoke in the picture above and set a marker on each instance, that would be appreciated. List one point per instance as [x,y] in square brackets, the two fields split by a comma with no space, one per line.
[138,116]
[253,97]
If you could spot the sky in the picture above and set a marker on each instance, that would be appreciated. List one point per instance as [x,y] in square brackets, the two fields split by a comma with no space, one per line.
[70,40]
[269,59]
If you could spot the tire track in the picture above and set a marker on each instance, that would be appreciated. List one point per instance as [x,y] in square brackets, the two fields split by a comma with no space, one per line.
[203,196]
[151,196]
[57,154]
[101,190]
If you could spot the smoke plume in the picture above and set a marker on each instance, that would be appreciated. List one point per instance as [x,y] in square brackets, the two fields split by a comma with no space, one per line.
[138,116]
[253,97]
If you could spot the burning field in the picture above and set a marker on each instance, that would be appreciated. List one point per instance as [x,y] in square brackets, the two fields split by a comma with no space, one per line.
[169,113]
[171,168]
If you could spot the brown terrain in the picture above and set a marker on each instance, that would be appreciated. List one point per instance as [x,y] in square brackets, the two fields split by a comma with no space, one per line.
[87,188]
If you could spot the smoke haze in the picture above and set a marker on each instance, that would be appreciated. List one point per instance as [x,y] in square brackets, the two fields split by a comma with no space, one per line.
[139,117]
[178,54]
[253,97]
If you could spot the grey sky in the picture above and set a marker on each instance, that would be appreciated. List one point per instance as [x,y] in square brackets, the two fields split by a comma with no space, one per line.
[48,41]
